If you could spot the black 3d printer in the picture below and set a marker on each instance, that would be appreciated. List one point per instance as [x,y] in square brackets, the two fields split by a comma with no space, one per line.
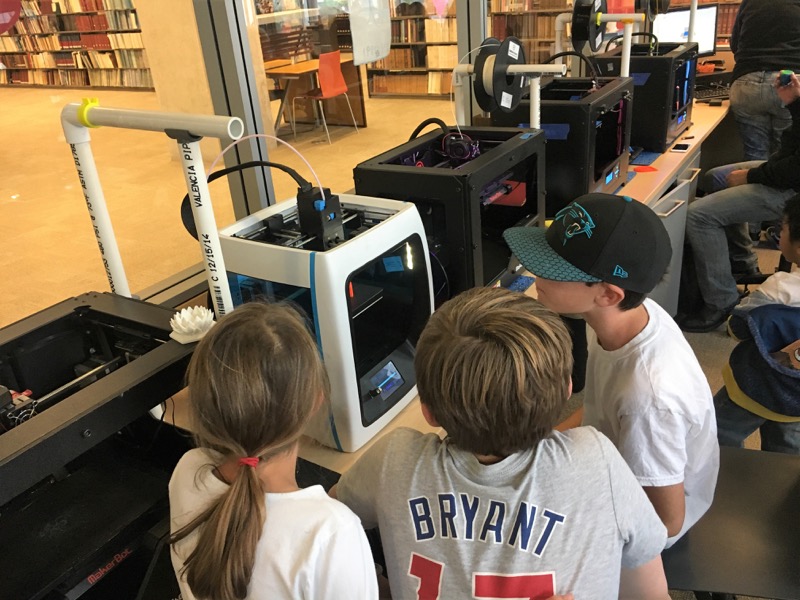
[470,183]
[469,186]
[663,78]
[82,484]
[587,123]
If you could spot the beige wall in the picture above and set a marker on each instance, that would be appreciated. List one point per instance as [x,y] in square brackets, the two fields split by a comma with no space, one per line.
[172,43]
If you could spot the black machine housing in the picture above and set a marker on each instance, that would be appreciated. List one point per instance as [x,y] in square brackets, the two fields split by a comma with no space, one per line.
[466,196]
[588,130]
[663,80]
[71,508]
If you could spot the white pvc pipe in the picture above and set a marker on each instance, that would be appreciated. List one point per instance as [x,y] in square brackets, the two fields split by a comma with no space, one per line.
[536,69]
[627,42]
[230,128]
[692,15]
[535,102]
[461,74]
[207,234]
[101,222]
[561,27]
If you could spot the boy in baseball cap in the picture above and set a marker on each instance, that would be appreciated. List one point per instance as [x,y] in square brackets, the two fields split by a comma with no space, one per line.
[645,389]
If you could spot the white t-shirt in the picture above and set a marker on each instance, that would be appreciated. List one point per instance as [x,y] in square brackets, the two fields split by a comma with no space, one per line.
[562,518]
[311,547]
[652,400]
[780,288]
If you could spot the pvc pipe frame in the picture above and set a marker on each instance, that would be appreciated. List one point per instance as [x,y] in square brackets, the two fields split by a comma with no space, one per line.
[533,72]
[692,16]
[627,20]
[77,118]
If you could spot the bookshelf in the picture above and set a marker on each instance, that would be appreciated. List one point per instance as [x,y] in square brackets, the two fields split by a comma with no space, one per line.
[532,21]
[75,43]
[726,16]
[423,53]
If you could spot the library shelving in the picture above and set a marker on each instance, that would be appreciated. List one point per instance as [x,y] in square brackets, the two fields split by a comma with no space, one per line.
[423,53]
[532,21]
[75,43]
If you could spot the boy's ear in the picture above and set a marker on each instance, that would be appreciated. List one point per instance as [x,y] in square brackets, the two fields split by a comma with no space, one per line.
[609,295]
[429,418]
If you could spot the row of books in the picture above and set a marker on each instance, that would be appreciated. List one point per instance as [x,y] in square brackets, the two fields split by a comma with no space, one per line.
[115,20]
[440,83]
[521,26]
[726,17]
[399,84]
[68,41]
[408,30]
[442,57]
[33,8]
[401,58]
[525,5]
[440,30]
[124,78]
[90,59]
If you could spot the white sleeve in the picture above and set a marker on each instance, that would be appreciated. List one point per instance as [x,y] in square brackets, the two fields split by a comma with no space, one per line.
[653,443]
[644,535]
[344,566]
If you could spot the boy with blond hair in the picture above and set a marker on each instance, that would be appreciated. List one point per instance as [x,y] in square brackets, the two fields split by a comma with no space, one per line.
[644,389]
[503,507]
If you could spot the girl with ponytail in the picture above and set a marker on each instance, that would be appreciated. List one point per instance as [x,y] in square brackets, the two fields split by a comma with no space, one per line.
[241,527]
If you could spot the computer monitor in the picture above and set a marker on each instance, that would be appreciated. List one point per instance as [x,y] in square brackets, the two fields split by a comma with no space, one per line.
[673,26]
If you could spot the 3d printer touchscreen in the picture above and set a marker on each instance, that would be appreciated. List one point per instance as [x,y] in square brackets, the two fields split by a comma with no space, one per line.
[386,380]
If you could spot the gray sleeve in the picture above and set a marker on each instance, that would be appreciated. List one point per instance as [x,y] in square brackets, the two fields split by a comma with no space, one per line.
[359,485]
[644,535]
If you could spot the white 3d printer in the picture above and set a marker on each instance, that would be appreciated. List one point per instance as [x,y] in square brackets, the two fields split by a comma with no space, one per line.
[360,270]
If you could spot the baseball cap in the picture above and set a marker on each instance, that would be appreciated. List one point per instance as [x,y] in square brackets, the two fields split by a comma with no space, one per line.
[597,237]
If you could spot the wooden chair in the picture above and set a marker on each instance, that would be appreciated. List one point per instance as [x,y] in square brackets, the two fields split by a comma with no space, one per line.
[331,85]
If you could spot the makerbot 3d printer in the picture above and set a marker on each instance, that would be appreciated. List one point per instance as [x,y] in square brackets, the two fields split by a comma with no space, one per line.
[469,185]
[79,490]
[359,268]
[663,79]
[587,123]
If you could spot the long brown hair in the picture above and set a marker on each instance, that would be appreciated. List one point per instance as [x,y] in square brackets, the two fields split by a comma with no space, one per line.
[254,381]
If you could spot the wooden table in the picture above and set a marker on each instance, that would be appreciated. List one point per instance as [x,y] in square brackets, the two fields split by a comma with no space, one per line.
[748,543]
[300,78]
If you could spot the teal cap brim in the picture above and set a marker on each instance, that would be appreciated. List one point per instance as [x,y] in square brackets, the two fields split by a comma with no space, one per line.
[530,246]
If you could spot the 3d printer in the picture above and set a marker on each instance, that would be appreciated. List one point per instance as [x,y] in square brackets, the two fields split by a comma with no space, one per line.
[587,123]
[71,378]
[359,268]
[470,185]
[663,79]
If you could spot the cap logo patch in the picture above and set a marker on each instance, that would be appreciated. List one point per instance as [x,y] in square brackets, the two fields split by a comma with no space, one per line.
[620,272]
[576,221]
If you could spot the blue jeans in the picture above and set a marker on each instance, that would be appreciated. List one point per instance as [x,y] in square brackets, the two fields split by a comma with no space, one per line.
[759,113]
[734,424]
[717,231]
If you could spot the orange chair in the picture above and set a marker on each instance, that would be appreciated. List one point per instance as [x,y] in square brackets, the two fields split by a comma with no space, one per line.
[331,85]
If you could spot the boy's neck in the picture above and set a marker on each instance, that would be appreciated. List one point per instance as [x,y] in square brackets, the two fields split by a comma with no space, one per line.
[614,327]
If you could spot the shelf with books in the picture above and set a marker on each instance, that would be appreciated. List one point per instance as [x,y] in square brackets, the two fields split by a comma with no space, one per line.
[75,43]
[532,21]
[424,50]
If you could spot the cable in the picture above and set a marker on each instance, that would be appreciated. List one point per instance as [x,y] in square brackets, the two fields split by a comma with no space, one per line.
[427,122]
[653,39]
[268,137]
[583,57]
[186,208]
[444,272]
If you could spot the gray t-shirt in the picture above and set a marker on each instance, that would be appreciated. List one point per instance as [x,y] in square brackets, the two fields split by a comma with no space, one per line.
[562,518]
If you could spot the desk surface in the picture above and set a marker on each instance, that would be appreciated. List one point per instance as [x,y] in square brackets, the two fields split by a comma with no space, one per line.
[300,68]
[647,187]
[749,541]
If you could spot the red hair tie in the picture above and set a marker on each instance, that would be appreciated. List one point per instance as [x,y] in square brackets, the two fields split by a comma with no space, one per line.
[248,461]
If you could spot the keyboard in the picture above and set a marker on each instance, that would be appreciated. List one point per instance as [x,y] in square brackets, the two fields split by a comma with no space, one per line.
[721,92]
